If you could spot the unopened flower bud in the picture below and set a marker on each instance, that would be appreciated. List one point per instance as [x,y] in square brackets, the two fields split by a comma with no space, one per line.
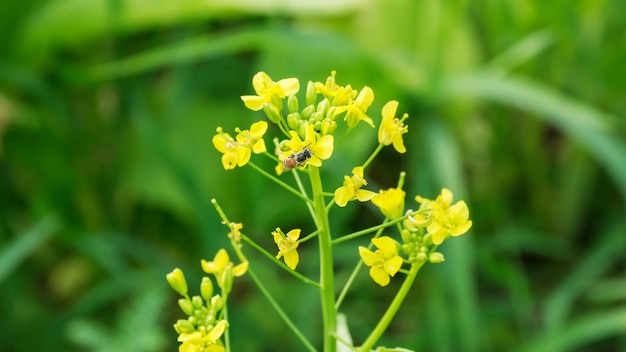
[421,257]
[197,302]
[206,288]
[294,120]
[176,279]
[306,112]
[328,126]
[217,302]
[183,325]
[311,94]
[406,235]
[292,103]
[436,258]
[272,112]
[186,306]
[322,106]
[316,116]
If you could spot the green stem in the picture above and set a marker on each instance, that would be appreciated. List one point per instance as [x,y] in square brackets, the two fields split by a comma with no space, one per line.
[299,276]
[384,322]
[367,230]
[371,158]
[280,183]
[327,292]
[280,311]
[226,333]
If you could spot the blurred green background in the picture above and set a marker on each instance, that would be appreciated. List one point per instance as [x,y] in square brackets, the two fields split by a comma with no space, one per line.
[107,109]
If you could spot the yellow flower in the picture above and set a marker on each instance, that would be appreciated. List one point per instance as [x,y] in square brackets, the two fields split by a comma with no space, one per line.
[446,219]
[253,138]
[390,202]
[237,151]
[351,188]
[234,153]
[337,95]
[287,245]
[358,108]
[384,262]
[222,268]
[391,129]
[321,147]
[266,89]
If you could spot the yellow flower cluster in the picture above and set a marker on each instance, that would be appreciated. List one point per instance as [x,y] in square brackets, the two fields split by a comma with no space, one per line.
[308,131]
[205,325]
[431,224]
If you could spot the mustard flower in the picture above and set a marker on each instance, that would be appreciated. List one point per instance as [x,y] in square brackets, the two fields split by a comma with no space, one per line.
[266,90]
[351,188]
[358,108]
[390,202]
[391,128]
[337,95]
[253,138]
[234,153]
[223,269]
[384,262]
[287,245]
[446,219]
[321,147]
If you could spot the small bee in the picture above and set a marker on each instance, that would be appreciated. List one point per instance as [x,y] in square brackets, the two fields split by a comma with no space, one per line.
[298,159]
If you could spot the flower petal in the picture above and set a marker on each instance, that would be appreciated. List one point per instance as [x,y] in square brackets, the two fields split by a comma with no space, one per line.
[379,275]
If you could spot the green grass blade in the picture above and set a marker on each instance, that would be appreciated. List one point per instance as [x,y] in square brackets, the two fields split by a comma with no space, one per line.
[591,128]
[25,244]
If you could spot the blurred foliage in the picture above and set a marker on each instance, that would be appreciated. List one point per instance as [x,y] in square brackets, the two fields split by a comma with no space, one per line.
[107,109]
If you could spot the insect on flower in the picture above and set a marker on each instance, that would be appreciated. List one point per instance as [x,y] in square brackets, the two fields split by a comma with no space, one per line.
[297,159]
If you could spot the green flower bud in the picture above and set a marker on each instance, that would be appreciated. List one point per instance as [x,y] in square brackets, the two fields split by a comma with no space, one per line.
[328,126]
[407,249]
[183,325]
[421,257]
[197,302]
[436,258]
[272,112]
[407,236]
[217,302]
[311,94]
[292,103]
[316,116]
[317,126]
[322,106]
[176,279]
[306,112]
[186,306]
[206,288]
[294,120]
